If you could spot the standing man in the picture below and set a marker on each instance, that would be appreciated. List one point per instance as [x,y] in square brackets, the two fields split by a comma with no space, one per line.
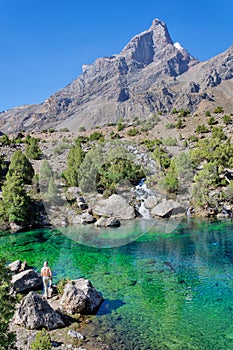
[46,274]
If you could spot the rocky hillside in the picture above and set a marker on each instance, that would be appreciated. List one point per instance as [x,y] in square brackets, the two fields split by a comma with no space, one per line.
[150,74]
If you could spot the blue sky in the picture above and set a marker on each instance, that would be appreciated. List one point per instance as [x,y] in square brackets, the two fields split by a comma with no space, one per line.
[44,43]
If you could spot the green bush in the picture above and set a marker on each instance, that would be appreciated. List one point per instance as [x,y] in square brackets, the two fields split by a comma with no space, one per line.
[184,112]
[33,150]
[218,133]
[180,124]
[193,138]
[212,121]
[4,140]
[42,341]
[120,126]
[170,126]
[218,110]
[7,306]
[133,132]
[150,144]
[118,172]
[170,141]
[60,148]
[82,129]
[201,129]
[207,114]
[227,119]
[162,157]
[64,130]
[96,135]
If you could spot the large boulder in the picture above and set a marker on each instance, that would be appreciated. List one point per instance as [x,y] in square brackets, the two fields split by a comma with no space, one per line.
[107,222]
[80,296]
[26,281]
[34,312]
[18,266]
[84,218]
[115,206]
[168,208]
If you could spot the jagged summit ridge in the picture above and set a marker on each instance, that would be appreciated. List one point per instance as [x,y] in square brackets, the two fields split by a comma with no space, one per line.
[151,73]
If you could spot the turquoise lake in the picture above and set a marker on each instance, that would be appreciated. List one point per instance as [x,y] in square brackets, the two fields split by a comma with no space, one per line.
[161,290]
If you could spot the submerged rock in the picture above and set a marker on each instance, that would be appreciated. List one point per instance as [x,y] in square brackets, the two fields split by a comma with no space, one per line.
[34,312]
[80,296]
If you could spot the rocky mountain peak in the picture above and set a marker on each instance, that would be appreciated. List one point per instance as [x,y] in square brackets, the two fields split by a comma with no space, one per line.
[150,74]
[146,46]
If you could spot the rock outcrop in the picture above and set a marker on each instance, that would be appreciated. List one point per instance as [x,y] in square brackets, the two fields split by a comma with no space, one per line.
[80,296]
[115,206]
[26,281]
[34,312]
[150,74]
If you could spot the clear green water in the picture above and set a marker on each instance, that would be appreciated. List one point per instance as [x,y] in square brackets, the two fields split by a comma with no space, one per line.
[162,291]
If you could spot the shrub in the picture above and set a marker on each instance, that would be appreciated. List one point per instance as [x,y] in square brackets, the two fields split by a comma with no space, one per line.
[61,285]
[170,181]
[33,150]
[170,141]
[96,135]
[60,148]
[170,126]
[207,114]
[184,112]
[174,111]
[201,129]
[193,138]
[218,133]
[218,110]
[180,124]
[150,144]
[227,119]
[4,140]
[64,130]
[82,129]
[7,305]
[162,157]
[42,341]
[133,132]
[212,121]
[120,126]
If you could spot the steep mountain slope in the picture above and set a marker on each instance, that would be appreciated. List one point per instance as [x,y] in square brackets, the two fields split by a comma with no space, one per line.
[151,73]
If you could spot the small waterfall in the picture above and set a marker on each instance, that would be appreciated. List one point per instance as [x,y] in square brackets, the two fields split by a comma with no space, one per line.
[142,192]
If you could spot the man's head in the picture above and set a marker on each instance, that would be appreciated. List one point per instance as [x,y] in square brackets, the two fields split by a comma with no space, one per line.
[45,263]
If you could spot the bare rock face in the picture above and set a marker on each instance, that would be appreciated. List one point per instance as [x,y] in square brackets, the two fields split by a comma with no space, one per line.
[80,296]
[151,73]
[168,208]
[114,206]
[34,312]
[26,281]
